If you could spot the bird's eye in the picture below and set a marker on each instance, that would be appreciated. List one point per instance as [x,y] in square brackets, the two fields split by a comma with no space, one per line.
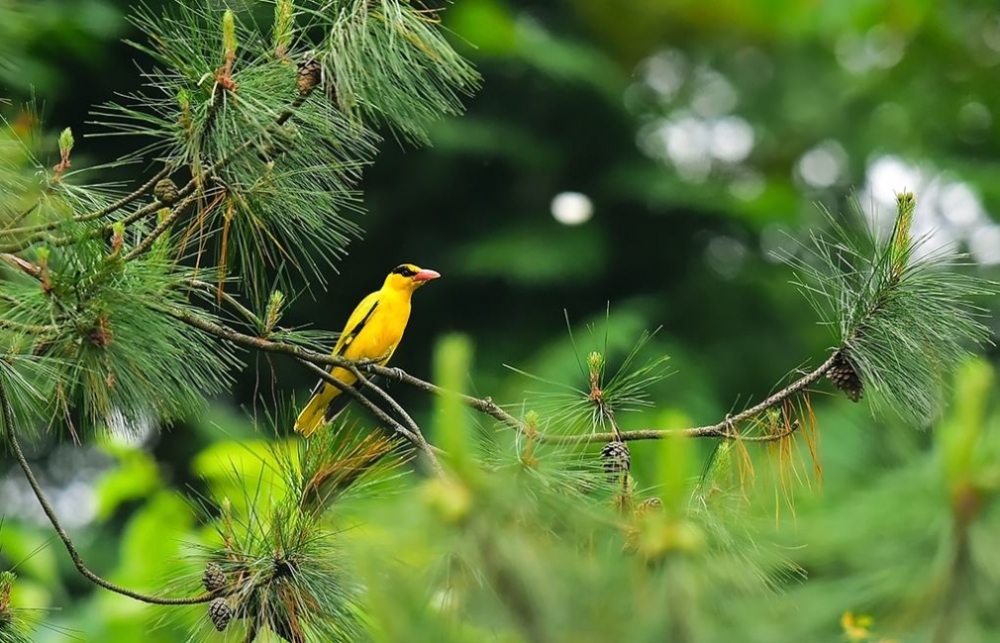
[405,271]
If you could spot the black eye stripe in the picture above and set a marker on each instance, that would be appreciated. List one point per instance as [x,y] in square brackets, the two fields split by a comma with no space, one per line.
[404,270]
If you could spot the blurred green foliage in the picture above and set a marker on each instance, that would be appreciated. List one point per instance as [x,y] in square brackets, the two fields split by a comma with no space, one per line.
[645,107]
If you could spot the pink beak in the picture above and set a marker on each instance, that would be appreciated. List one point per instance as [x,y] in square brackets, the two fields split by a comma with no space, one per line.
[426,275]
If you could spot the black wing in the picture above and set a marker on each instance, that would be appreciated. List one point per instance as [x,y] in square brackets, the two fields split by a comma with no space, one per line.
[338,403]
[351,333]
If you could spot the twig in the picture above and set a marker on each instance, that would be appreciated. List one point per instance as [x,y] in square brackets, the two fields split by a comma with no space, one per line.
[141,191]
[23,265]
[15,447]
[31,329]
[719,430]
[416,438]
[245,312]
[487,406]
[249,341]
[484,405]
[397,407]
[189,189]
[162,227]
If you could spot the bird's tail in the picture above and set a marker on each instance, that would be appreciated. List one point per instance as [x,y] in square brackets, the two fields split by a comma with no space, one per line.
[315,414]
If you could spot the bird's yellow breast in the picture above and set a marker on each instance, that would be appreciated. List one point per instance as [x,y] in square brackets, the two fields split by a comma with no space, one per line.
[384,329]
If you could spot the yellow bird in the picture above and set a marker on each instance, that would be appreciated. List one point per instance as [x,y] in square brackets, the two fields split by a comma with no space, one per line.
[372,332]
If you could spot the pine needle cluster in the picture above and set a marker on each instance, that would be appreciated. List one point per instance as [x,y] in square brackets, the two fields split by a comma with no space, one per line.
[904,316]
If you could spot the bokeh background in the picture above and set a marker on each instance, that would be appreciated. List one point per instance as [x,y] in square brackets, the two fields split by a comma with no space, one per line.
[627,166]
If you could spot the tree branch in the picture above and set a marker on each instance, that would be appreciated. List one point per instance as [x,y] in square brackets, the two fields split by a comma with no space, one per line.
[415,437]
[723,429]
[111,208]
[182,195]
[15,447]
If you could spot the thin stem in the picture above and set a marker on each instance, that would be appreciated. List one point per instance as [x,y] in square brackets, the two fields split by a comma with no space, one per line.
[189,188]
[425,446]
[161,228]
[31,329]
[487,406]
[21,216]
[416,438]
[111,208]
[721,429]
[24,266]
[15,447]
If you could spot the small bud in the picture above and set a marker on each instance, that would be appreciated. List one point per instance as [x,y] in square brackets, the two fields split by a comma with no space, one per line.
[220,612]
[117,236]
[595,363]
[284,22]
[7,579]
[66,143]
[184,105]
[229,34]
[44,252]
[905,204]
[275,308]
[65,147]
[166,191]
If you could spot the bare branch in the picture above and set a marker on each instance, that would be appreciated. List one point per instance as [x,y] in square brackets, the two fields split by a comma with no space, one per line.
[15,447]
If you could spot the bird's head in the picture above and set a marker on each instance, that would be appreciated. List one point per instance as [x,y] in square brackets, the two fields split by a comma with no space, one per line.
[409,277]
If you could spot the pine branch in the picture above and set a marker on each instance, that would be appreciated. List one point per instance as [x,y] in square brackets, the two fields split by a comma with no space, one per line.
[185,194]
[416,437]
[487,406]
[723,429]
[313,360]
[111,208]
[11,434]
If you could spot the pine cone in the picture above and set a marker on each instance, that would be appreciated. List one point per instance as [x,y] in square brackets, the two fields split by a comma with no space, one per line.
[166,191]
[220,613]
[617,459]
[310,75]
[845,377]
[214,578]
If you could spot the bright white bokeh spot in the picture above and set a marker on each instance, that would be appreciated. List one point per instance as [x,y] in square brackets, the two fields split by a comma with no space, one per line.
[713,95]
[664,72]
[890,175]
[880,48]
[823,165]
[960,205]
[572,208]
[984,244]
[731,139]
[687,140]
